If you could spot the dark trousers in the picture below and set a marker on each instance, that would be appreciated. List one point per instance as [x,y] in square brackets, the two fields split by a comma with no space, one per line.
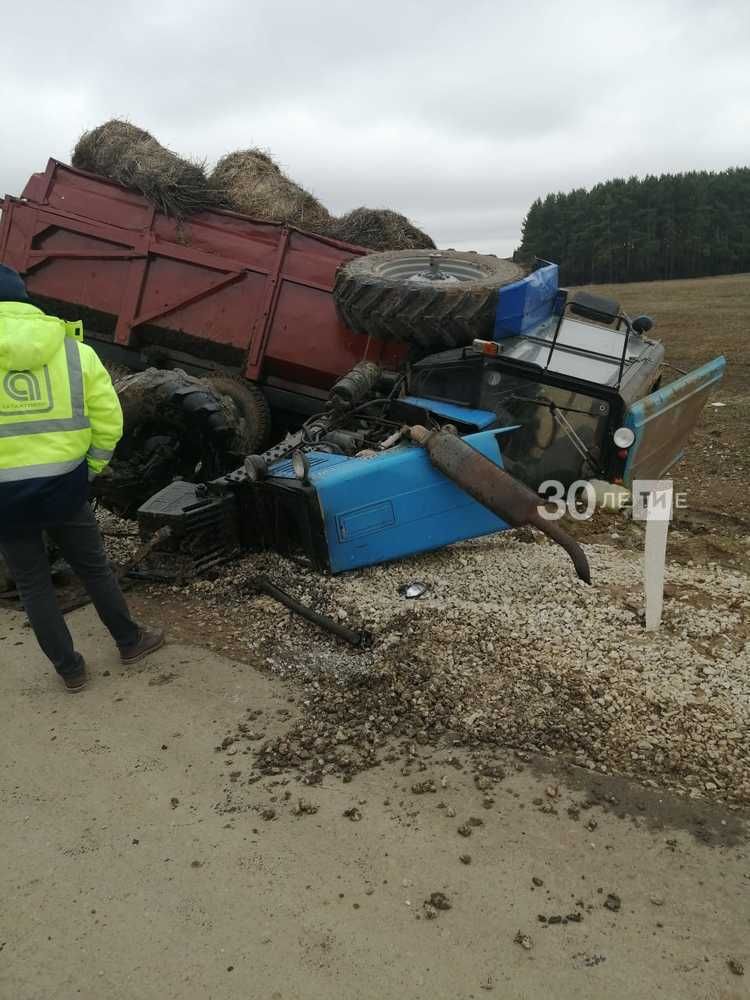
[79,540]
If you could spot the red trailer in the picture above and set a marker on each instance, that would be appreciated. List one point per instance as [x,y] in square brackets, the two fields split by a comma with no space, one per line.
[216,291]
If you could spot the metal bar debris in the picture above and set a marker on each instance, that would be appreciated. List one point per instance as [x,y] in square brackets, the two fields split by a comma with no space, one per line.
[361,639]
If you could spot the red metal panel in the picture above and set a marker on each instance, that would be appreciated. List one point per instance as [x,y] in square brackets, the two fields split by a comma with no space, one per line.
[264,319]
[77,193]
[246,242]
[55,236]
[215,307]
[259,288]
[17,229]
[307,341]
[5,225]
[70,260]
[136,275]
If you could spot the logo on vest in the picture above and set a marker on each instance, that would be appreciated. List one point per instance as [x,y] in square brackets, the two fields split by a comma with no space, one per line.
[23,387]
[25,392]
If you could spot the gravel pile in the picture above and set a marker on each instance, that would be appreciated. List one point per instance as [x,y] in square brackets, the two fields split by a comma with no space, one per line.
[506,647]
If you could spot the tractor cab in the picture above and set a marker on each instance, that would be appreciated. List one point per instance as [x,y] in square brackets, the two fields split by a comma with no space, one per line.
[581,382]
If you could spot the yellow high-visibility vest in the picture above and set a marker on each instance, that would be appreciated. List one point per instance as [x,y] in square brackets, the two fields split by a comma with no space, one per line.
[58,406]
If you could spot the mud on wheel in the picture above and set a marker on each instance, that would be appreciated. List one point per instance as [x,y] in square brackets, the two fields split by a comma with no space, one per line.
[432,299]
[251,409]
[174,426]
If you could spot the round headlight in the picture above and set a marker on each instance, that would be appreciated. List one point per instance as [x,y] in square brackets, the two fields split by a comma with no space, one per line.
[300,465]
[624,437]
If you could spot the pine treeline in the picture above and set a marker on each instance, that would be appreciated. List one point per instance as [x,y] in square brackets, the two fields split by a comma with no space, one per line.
[673,226]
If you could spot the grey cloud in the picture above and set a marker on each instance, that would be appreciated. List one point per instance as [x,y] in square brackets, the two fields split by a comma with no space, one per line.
[458,115]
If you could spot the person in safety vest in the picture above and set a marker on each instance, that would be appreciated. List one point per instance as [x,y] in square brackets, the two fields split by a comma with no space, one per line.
[60,420]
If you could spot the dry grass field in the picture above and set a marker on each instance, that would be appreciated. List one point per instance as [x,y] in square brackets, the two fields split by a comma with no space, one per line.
[697,319]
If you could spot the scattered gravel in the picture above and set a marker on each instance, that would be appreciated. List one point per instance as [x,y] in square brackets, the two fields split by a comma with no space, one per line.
[506,648]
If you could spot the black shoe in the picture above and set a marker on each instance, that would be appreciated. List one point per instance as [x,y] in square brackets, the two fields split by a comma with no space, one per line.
[76,682]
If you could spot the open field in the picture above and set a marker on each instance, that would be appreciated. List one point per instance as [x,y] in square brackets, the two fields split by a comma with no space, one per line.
[698,319]
[258,811]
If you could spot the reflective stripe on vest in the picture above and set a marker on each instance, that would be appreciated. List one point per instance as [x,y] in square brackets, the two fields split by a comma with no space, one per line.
[99,454]
[38,471]
[77,421]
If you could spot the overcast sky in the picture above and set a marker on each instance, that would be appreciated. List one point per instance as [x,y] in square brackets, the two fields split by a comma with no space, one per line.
[457,113]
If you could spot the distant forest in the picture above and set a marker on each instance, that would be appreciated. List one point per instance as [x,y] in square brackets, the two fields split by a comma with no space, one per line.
[673,226]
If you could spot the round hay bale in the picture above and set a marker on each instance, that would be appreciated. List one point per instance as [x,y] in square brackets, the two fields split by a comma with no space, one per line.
[249,181]
[380,229]
[133,157]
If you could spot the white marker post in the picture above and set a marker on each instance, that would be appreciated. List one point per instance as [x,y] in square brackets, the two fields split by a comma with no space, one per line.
[652,502]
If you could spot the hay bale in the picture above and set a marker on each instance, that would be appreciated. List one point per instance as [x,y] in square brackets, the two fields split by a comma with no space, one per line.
[133,157]
[249,181]
[380,229]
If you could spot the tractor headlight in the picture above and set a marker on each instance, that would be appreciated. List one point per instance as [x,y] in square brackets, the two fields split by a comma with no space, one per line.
[624,437]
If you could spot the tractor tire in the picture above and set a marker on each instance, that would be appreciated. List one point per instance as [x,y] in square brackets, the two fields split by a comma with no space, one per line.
[175,426]
[433,300]
[251,407]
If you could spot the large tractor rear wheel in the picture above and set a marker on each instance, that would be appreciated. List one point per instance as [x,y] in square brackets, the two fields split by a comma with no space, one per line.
[433,299]
[174,426]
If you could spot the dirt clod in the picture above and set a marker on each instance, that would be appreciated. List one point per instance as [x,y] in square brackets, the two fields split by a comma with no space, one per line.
[440,901]
[305,808]
[524,940]
[422,787]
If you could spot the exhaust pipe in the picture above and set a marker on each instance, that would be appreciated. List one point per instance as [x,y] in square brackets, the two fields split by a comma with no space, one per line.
[495,489]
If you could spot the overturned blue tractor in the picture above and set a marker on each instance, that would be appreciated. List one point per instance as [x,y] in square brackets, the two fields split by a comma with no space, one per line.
[457,444]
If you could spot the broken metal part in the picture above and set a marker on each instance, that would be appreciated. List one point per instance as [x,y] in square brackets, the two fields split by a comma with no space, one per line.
[203,532]
[361,639]
[495,489]
[355,386]
[343,441]
[394,438]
